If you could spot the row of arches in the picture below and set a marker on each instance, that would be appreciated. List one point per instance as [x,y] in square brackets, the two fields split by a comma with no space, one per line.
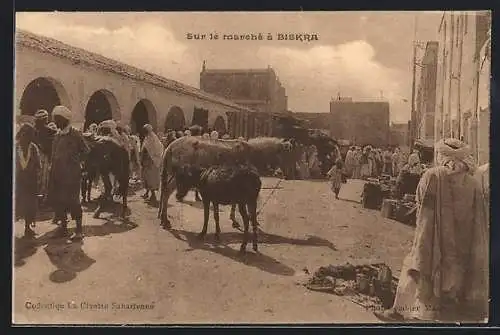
[46,93]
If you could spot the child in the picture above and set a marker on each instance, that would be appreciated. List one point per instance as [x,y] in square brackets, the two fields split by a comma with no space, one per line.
[336,175]
[28,169]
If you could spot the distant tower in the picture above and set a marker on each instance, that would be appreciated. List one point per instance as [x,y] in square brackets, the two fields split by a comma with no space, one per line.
[204,66]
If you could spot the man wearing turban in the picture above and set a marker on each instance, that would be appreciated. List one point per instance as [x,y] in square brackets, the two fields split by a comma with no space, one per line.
[445,276]
[108,128]
[53,126]
[44,137]
[27,170]
[68,153]
[93,129]
[134,145]
[151,161]
[214,135]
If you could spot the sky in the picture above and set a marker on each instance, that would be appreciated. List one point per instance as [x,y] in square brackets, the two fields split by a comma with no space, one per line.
[363,55]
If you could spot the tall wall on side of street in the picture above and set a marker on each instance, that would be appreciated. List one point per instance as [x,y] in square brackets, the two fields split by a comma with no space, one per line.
[463,82]
[360,122]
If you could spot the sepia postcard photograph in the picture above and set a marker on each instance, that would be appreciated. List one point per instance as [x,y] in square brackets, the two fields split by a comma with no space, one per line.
[363,137]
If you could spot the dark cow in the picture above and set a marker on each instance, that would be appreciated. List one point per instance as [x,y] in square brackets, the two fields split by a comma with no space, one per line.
[234,184]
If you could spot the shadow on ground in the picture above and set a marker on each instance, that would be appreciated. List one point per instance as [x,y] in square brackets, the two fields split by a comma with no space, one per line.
[113,207]
[67,256]
[41,215]
[317,180]
[258,260]
[350,200]
[199,205]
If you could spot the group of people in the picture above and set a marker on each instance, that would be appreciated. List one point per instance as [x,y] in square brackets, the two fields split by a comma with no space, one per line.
[50,157]
[195,130]
[48,169]
[308,164]
[49,160]
[362,163]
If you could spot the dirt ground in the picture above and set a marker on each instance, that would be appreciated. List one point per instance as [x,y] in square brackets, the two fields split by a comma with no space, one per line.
[177,279]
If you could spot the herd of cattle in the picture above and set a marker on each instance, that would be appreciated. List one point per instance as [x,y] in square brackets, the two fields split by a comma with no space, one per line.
[225,172]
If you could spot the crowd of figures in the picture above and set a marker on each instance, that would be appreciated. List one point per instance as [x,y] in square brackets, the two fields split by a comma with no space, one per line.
[56,163]
[362,163]
[444,275]
[369,162]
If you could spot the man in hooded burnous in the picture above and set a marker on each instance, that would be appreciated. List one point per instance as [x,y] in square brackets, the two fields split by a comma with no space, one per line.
[68,152]
[445,275]
[44,137]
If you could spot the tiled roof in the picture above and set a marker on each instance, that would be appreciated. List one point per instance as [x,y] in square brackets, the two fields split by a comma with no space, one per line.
[78,55]
[231,71]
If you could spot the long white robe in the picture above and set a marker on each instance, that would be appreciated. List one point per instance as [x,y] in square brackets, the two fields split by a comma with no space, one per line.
[449,252]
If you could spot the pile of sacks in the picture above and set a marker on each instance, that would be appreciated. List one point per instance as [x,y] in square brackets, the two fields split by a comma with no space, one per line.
[372,286]
[403,210]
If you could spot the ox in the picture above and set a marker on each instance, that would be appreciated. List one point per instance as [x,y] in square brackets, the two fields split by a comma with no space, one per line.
[204,153]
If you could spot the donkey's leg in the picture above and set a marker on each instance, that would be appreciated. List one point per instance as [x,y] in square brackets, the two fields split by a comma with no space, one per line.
[206,215]
[252,210]
[91,178]
[123,185]
[83,186]
[107,185]
[232,216]
[244,215]
[105,198]
[168,187]
[216,219]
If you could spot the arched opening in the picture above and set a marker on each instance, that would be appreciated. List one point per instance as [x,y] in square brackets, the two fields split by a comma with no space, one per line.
[43,93]
[220,125]
[175,119]
[143,113]
[200,118]
[102,106]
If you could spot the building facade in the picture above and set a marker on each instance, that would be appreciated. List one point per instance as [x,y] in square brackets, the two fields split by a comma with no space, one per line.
[400,135]
[463,85]
[259,89]
[361,122]
[316,120]
[426,93]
